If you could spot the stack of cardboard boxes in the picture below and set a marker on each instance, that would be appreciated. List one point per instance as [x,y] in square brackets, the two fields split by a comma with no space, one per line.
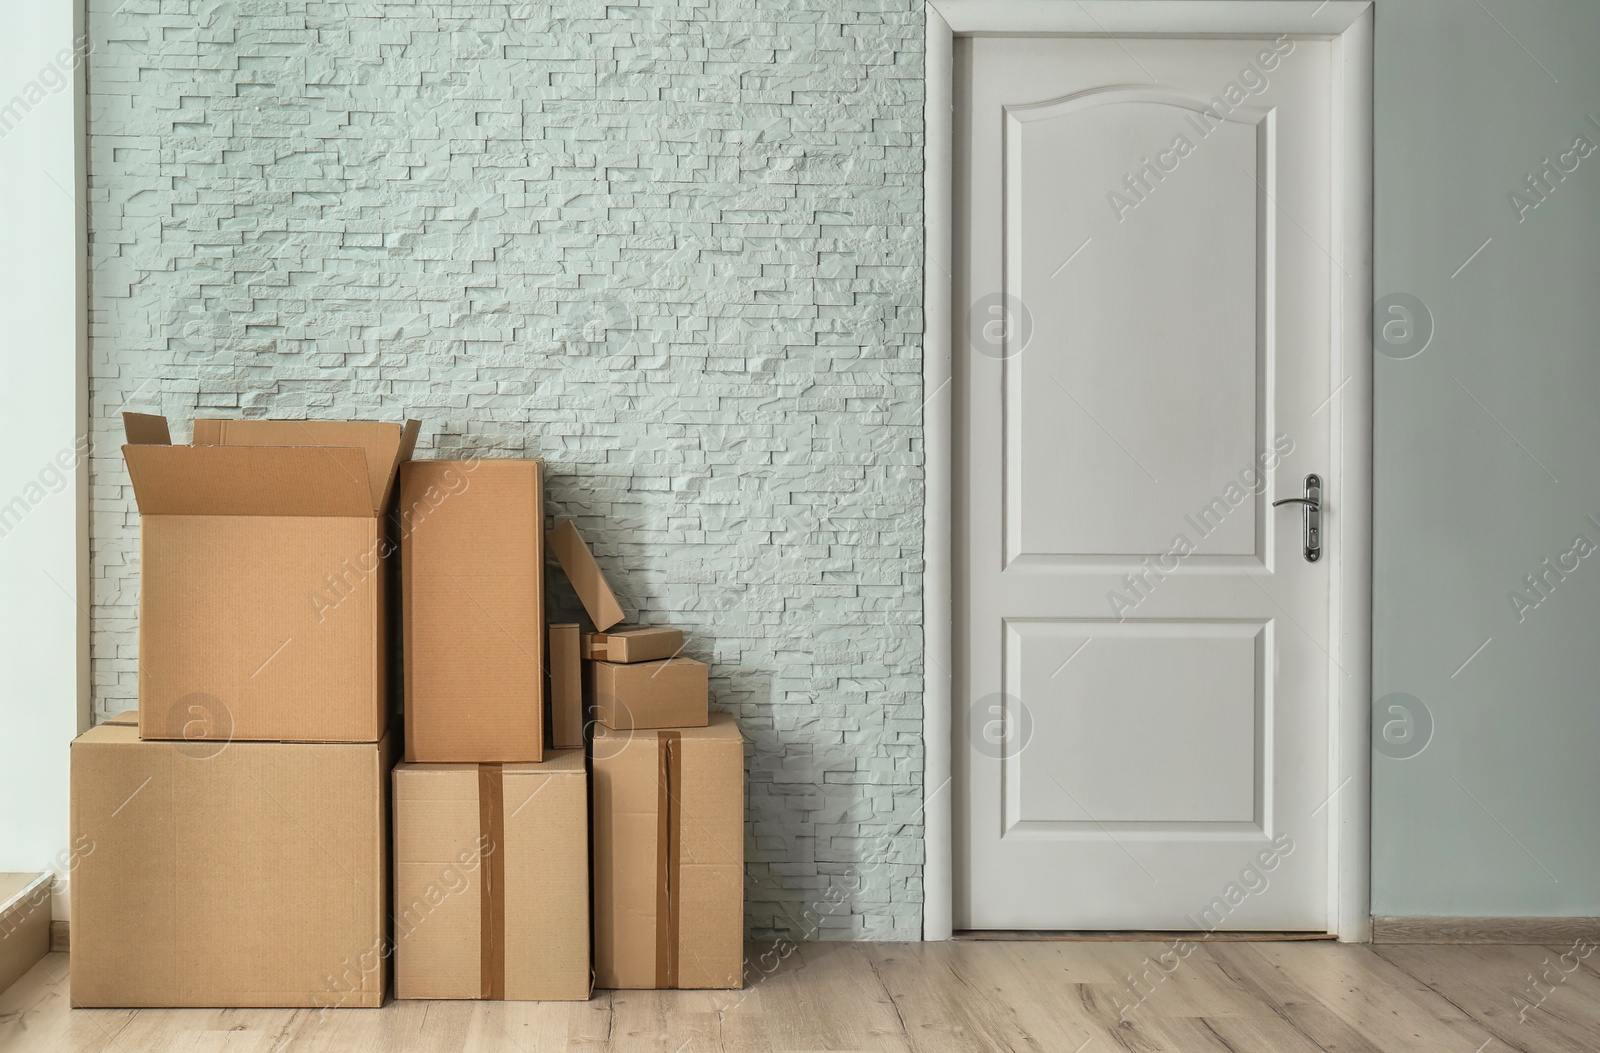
[237,829]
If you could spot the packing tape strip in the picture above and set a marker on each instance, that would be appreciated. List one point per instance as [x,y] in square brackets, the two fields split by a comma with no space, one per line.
[669,853]
[491,882]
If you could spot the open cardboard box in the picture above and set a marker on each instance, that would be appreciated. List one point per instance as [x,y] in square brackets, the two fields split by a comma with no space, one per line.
[263,606]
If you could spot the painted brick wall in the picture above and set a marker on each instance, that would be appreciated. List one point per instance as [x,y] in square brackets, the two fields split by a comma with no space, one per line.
[672,247]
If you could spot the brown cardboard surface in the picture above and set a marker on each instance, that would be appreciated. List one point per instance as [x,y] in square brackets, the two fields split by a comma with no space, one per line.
[248,481]
[671,693]
[238,874]
[579,565]
[492,896]
[472,567]
[128,718]
[669,857]
[382,445]
[143,428]
[633,645]
[262,609]
[242,635]
[566,687]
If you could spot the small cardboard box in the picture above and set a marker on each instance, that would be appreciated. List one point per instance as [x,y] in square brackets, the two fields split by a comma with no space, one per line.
[472,570]
[229,873]
[262,595]
[491,880]
[566,687]
[633,645]
[672,693]
[669,857]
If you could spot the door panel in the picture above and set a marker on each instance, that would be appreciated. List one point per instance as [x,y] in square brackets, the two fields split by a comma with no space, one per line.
[1114,721]
[1170,355]
[1142,649]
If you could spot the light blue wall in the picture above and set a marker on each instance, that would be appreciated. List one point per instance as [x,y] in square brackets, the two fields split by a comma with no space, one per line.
[1500,813]
[674,248]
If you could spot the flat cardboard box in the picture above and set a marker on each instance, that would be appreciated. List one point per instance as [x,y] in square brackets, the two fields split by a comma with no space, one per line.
[669,857]
[472,572]
[672,693]
[566,687]
[633,645]
[128,718]
[229,874]
[579,565]
[492,880]
[263,600]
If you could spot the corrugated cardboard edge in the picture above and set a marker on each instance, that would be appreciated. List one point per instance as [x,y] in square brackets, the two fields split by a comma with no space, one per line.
[405,446]
[581,568]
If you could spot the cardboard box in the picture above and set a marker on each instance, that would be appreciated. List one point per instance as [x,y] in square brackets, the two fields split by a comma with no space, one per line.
[579,565]
[491,880]
[473,583]
[668,694]
[128,718]
[228,874]
[566,688]
[262,594]
[669,857]
[633,645]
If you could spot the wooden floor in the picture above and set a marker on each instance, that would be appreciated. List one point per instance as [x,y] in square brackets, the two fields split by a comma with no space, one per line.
[948,997]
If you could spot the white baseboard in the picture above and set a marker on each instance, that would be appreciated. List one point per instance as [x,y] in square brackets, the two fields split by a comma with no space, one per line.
[24,924]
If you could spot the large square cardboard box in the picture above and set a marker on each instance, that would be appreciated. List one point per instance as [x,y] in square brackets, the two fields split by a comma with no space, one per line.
[473,573]
[669,857]
[228,874]
[491,880]
[262,593]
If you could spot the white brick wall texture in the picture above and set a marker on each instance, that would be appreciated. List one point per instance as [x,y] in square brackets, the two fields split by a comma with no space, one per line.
[674,247]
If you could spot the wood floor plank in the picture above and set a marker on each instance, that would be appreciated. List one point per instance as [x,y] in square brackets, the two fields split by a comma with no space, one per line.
[948,998]
[36,1013]
[1487,983]
[1380,1001]
[1281,994]
[831,998]
[962,997]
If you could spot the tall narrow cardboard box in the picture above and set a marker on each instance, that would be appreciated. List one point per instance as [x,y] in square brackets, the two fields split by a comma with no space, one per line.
[472,563]
[669,857]
[566,687]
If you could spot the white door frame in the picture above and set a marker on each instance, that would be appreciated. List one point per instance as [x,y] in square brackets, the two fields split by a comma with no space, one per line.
[1348,24]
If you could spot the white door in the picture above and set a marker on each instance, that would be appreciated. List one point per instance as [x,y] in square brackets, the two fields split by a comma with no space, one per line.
[1143,366]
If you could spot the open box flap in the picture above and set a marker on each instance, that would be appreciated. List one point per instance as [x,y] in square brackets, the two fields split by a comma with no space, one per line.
[146,429]
[581,569]
[249,480]
[383,445]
